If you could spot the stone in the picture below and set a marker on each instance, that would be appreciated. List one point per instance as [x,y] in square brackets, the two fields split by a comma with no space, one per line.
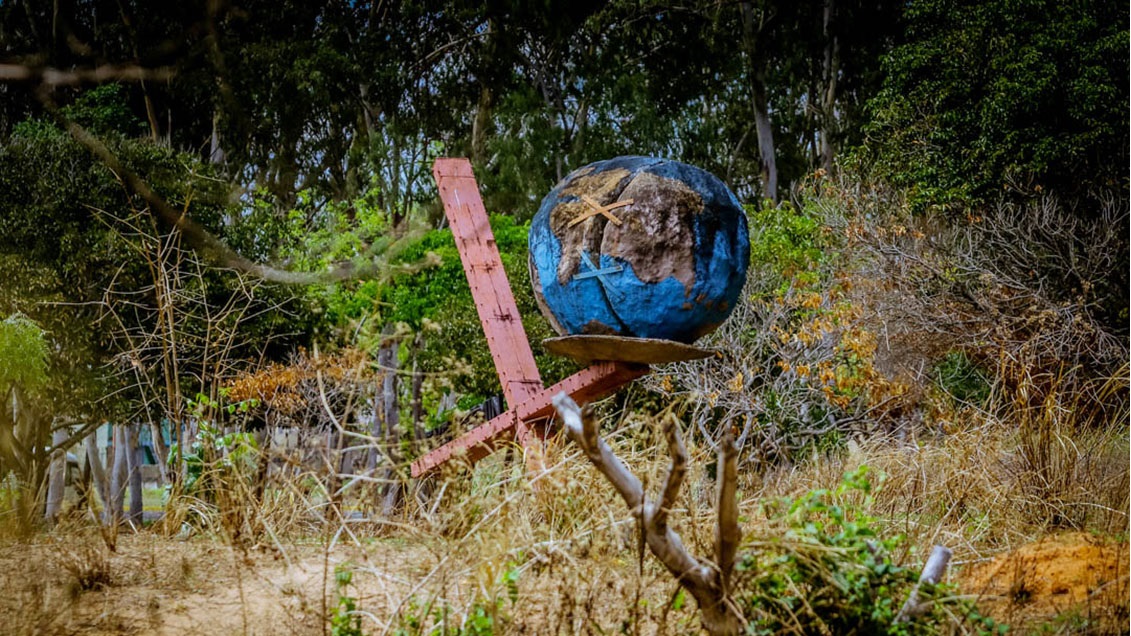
[639,247]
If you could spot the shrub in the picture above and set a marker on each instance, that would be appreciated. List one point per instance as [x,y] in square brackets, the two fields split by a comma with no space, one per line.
[827,571]
[796,365]
[958,376]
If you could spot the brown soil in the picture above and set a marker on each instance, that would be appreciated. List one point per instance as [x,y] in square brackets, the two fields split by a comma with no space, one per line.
[1073,582]
[157,585]
[167,587]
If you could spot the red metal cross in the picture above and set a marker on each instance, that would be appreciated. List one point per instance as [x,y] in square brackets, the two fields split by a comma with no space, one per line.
[527,398]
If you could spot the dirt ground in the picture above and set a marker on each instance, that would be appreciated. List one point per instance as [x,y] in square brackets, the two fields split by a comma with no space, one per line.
[1071,583]
[162,586]
[158,585]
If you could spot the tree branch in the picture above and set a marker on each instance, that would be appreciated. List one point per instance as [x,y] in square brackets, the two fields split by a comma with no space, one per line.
[97,75]
[676,473]
[202,240]
[718,614]
[728,534]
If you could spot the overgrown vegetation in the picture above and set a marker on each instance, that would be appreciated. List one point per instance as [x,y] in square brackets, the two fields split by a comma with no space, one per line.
[225,277]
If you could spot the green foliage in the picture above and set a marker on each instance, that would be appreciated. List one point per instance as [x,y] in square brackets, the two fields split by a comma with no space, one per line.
[787,247]
[981,95]
[214,457]
[72,238]
[437,300]
[831,572]
[23,354]
[345,621]
[103,110]
[483,619]
[958,376]
[485,616]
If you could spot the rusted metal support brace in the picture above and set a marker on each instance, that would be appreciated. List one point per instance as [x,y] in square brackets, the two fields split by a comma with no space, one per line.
[584,386]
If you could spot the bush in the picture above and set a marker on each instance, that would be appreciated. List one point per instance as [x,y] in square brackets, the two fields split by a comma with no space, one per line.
[957,376]
[985,95]
[796,365]
[827,571]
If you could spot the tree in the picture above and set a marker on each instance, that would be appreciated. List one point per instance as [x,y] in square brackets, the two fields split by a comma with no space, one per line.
[135,320]
[23,370]
[26,441]
[981,96]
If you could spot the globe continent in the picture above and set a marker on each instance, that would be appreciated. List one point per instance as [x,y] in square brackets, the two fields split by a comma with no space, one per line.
[639,247]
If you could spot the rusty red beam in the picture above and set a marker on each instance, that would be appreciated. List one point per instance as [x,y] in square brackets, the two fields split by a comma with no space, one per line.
[498,312]
[586,385]
[475,444]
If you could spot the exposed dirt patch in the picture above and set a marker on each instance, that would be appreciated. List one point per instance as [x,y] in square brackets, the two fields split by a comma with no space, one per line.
[164,586]
[1075,580]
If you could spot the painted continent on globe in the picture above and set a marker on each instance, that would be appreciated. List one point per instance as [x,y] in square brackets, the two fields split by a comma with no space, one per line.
[668,265]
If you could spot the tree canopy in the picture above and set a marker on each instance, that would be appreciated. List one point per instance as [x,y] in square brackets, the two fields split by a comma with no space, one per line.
[299,136]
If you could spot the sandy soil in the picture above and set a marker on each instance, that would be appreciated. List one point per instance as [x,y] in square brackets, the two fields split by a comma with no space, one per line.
[1075,581]
[161,586]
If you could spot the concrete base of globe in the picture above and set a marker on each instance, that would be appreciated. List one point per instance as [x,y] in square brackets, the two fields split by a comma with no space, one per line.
[590,348]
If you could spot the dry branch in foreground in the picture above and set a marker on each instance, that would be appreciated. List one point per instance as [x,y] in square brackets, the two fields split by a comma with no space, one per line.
[709,583]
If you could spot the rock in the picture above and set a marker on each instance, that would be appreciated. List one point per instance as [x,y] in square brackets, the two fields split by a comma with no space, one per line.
[666,258]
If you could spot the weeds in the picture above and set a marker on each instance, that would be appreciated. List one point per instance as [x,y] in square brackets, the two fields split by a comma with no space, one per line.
[824,569]
[86,561]
[344,621]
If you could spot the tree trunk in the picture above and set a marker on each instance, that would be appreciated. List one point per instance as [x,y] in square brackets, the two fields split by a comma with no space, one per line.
[762,125]
[151,114]
[134,455]
[9,455]
[215,150]
[765,139]
[82,487]
[332,463]
[828,104]
[417,391]
[57,476]
[387,360]
[479,126]
[161,454]
[118,476]
[97,473]
[264,440]
[374,456]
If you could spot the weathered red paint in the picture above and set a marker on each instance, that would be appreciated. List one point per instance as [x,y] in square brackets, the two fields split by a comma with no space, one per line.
[522,385]
[494,300]
[584,386]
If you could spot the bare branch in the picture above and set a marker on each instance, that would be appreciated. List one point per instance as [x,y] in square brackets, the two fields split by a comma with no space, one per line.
[676,473]
[719,615]
[728,533]
[212,247]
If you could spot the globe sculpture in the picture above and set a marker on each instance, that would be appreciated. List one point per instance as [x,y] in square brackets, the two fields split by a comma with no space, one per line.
[638,248]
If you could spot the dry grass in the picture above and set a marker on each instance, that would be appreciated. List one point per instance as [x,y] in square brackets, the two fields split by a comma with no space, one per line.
[561,545]
[487,550]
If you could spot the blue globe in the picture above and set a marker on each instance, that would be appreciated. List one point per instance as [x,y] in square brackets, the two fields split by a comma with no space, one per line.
[639,247]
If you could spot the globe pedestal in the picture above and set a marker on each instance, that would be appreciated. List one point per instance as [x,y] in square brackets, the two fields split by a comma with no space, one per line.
[624,349]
